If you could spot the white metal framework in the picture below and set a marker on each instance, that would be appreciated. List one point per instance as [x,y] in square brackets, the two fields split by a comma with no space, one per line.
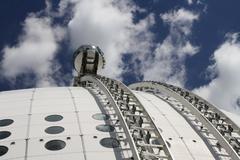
[217,123]
[137,123]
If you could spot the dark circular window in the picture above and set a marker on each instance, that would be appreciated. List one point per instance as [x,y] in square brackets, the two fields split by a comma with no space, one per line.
[110,142]
[3,150]
[105,128]
[54,118]
[6,122]
[4,134]
[55,145]
[54,130]
[101,116]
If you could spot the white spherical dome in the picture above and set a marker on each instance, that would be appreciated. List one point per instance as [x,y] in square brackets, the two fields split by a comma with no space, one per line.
[74,123]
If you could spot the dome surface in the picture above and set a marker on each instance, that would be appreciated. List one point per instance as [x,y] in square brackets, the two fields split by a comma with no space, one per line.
[79,123]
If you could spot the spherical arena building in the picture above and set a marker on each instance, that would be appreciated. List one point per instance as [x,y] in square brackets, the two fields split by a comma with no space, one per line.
[101,118]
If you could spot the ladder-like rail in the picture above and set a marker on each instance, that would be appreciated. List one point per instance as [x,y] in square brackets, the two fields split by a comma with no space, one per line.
[219,125]
[143,135]
[103,88]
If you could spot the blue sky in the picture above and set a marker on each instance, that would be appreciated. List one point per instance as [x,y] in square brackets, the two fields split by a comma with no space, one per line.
[190,43]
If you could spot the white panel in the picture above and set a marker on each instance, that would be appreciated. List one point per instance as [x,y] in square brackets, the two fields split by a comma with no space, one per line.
[13,108]
[93,144]
[39,130]
[188,135]
[20,120]
[174,126]
[24,93]
[84,100]
[167,131]
[49,101]
[52,102]
[39,119]
[53,105]
[19,132]
[16,150]
[87,117]
[86,105]
[37,148]
[18,128]
[101,155]
[178,149]
[86,96]
[71,156]
[197,148]
[52,93]
[90,128]
[79,92]
[53,108]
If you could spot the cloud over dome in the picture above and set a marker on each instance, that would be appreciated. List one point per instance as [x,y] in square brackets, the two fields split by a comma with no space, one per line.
[167,64]
[34,53]
[109,24]
[224,89]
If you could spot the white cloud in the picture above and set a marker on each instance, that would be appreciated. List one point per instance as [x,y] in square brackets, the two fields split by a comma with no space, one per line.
[61,10]
[189,1]
[224,90]
[109,24]
[106,23]
[34,52]
[180,17]
[170,55]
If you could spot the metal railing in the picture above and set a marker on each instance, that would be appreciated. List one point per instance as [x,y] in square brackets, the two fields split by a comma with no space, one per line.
[218,124]
[144,137]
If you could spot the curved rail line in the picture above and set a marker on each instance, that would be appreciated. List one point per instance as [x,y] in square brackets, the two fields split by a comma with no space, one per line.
[219,125]
[145,139]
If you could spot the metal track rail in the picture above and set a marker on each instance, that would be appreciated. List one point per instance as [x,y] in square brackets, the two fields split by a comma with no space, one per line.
[218,124]
[143,135]
[118,112]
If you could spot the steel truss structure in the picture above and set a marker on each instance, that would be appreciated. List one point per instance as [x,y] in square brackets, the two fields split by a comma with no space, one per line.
[142,135]
[214,121]
[135,120]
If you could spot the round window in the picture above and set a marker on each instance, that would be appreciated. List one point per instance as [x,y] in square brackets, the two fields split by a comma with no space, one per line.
[3,150]
[110,142]
[54,118]
[54,130]
[6,122]
[4,134]
[55,145]
[105,128]
[101,116]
